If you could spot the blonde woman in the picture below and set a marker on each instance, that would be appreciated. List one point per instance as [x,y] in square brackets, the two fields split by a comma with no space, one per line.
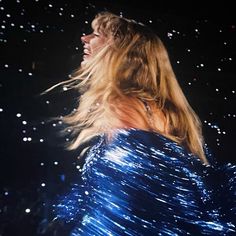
[147,173]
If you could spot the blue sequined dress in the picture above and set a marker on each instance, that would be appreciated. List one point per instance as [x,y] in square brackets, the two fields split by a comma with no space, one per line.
[142,183]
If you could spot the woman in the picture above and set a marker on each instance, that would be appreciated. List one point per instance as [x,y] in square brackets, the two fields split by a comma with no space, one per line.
[147,172]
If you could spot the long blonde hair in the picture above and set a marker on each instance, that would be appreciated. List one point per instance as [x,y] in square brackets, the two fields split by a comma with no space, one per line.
[132,69]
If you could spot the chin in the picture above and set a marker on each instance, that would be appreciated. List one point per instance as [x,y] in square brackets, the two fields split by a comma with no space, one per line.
[83,62]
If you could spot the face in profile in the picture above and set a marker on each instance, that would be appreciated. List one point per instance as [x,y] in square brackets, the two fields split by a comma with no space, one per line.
[92,44]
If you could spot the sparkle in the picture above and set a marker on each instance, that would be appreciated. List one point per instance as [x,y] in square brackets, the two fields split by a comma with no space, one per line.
[27,210]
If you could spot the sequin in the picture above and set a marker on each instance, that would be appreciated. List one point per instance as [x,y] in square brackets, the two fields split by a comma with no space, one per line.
[142,183]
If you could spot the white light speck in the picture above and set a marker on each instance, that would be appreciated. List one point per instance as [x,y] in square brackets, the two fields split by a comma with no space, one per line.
[86,193]
[6,193]
[30,74]
[24,122]
[217,90]
[41,140]
[189,83]
[3,26]
[20,70]
[72,16]
[225,43]
[50,5]
[65,88]
[202,65]
[55,163]
[27,210]
[67,139]
[1,110]
[86,22]
[12,24]
[178,62]
[18,115]
[224,132]
[230,59]
[8,15]
[6,66]
[150,21]
[233,91]
[41,31]
[42,164]
[21,26]
[23,131]
[29,139]
[78,167]
[189,50]
[43,184]
[47,102]
[219,69]
[24,139]
[54,125]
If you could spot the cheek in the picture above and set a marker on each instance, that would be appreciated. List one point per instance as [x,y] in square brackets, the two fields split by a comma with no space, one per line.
[96,44]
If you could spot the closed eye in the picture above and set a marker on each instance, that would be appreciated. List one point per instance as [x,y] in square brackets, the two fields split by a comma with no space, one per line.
[96,34]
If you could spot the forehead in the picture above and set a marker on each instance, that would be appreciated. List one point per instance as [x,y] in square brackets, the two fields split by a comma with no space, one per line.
[95,24]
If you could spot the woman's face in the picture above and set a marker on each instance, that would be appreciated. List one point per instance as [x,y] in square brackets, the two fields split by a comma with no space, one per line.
[92,43]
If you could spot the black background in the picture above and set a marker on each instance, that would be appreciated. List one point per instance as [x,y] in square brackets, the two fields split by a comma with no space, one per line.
[201,44]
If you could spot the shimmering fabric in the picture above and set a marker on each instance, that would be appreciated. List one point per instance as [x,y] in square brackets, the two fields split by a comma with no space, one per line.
[142,183]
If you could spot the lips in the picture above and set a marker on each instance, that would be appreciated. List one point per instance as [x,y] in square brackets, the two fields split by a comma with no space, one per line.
[86,53]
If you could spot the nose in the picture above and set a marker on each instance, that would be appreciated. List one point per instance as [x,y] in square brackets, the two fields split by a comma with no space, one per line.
[85,38]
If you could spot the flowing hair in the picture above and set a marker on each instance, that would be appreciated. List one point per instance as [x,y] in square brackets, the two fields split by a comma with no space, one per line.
[130,73]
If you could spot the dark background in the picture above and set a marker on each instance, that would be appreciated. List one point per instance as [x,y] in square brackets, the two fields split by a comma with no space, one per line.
[40,46]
